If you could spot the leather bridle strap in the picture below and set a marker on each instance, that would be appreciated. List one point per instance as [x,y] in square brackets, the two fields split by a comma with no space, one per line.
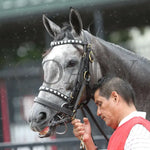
[53,106]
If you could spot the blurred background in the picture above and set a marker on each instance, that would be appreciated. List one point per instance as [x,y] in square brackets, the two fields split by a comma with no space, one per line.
[23,40]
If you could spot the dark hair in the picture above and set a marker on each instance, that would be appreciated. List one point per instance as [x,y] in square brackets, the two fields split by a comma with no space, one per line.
[108,84]
[65,32]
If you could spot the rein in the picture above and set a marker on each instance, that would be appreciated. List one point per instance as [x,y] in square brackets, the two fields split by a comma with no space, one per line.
[71,102]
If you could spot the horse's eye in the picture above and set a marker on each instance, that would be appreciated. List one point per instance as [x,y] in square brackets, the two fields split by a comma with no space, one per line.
[71,63]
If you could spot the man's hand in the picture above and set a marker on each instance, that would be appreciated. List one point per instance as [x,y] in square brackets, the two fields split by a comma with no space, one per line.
[83,132]
[82,129]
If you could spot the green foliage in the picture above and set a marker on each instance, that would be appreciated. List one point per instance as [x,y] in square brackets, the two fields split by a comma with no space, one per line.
[119,36]
[25,52]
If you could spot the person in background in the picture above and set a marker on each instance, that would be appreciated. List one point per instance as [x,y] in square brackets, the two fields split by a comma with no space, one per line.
[115,100]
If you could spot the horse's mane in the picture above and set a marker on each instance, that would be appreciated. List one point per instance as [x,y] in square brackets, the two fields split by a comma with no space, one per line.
[110,45]
[128,52]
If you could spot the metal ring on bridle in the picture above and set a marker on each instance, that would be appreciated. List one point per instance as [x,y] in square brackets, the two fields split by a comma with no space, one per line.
[61,133]
[87,76]
[84,54]
[89,46]
[71,96]
[90,56]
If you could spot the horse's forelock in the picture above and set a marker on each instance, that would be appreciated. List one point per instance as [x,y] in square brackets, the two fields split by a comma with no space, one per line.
[65,33]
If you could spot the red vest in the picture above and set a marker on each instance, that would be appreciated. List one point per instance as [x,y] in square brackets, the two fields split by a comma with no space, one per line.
[118,138]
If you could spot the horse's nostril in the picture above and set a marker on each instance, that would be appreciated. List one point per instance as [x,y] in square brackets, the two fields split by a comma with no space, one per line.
[42,116]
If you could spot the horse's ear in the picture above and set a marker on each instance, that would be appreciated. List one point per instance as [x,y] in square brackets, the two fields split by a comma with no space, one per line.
[75,21]
[51,27]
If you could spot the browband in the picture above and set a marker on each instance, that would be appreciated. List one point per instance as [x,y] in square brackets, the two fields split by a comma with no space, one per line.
[55,43]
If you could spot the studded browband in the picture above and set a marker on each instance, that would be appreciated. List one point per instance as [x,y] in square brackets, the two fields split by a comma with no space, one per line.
[55,43]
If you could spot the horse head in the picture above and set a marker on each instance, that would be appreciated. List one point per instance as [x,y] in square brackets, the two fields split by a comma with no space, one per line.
[67,67]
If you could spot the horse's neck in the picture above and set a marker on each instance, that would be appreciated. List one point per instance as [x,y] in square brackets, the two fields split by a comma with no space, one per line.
[119,61]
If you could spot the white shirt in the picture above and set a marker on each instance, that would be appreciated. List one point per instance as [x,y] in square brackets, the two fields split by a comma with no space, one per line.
[139,136]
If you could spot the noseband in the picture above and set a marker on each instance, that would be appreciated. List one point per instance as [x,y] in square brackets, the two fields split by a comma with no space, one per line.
[71,102]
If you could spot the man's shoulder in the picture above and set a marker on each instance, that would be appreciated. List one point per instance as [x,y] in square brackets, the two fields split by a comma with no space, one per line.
[139,129]
[140,121]
[138,138]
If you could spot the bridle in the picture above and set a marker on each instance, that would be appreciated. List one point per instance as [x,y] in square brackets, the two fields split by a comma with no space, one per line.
[72,102]
[67,111]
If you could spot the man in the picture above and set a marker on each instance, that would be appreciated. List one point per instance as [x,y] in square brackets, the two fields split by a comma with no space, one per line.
[115,98]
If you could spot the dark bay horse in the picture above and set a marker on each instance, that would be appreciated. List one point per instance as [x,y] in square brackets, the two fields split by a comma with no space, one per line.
[74,63]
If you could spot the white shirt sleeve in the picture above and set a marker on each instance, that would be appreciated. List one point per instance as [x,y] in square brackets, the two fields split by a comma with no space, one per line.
[138,139]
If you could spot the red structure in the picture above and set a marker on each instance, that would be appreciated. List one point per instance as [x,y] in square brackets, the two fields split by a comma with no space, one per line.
[4,113]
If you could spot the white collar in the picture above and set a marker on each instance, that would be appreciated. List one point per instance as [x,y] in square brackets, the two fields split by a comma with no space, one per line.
[133,114]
